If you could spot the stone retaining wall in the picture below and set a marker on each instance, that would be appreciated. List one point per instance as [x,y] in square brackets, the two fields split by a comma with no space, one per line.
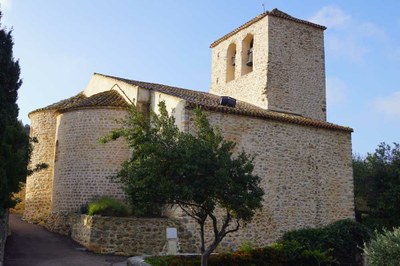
[3,235]
[61,223]
[124,236]
[119,235]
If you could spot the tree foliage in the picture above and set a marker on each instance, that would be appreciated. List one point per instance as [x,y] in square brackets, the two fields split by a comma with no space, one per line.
[384,248]
[197,172]
[377,186]
[14,143]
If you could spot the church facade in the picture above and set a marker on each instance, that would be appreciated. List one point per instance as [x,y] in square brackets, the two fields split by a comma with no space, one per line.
[267,94]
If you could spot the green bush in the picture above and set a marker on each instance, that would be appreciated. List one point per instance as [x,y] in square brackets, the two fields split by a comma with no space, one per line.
[343,240]
[384,248]
[106,206]
[295,253]
[275,255]
[338,243]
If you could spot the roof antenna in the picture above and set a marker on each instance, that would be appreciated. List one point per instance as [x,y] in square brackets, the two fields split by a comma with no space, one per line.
[263,5]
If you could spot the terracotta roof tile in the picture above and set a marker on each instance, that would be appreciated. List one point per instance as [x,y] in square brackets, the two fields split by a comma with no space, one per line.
[276,13]
[103,99]
[211,102]
[109,98]
[63,103]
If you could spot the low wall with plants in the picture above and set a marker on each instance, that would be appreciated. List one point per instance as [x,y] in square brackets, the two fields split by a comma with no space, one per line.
[3,234]
[125,236]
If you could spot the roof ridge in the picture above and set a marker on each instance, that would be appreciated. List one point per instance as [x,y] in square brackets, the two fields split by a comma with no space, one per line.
[108,98]
[134,82]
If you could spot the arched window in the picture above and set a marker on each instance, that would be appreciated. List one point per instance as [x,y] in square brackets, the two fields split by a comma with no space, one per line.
[230,62]
[247,54]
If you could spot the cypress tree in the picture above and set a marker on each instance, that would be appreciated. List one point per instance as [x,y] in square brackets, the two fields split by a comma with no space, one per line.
[14,142]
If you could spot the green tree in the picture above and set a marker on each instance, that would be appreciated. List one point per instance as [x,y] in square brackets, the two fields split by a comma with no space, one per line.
[384,248]
[377,186]
[197,172]
[14,143]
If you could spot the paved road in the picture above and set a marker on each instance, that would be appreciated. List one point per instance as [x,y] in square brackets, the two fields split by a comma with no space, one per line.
[33,245]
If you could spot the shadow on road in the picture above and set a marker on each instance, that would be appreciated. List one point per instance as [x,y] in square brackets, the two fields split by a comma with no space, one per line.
[33,245]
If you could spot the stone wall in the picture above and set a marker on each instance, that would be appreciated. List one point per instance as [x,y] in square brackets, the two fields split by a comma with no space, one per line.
[3,235]
[239,86]
[296,68]
[61,222]
[82,164]
[306,175]
[120,236]
[39,185]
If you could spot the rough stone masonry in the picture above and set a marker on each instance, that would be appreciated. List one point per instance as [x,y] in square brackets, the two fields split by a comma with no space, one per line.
[274,68]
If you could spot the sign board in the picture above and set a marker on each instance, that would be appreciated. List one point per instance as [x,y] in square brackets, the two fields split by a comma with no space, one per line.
[172,233]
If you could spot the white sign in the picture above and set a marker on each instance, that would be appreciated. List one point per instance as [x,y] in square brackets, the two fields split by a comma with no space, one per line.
[172,233]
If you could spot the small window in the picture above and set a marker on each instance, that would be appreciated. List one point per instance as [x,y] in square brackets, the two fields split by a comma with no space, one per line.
[230,62]
[56,153]
[247,54]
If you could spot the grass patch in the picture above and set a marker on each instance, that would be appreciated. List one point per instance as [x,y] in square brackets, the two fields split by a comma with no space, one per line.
[107,206]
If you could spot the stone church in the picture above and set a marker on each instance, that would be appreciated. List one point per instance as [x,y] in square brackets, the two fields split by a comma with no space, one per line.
[267,94]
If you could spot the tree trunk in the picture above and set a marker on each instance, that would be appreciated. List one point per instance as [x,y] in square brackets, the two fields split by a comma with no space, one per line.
[202,248]
[204,259]
[209,250]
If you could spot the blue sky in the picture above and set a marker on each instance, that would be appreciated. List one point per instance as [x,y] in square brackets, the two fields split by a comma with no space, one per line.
[61,43]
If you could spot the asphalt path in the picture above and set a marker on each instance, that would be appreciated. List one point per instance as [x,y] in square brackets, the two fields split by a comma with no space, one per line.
[31,244]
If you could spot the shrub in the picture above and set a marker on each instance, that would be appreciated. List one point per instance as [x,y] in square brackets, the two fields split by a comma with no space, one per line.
[106,206]
[295,253]
[343,240]
[246,247]
[275,255]
[384,248]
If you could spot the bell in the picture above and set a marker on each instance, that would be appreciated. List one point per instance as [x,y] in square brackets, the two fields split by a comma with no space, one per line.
[233,60]
[249,61]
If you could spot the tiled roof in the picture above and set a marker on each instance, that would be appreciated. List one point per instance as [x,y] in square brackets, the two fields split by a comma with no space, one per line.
[276,13]
[211,102]
[109,98]
[63,103]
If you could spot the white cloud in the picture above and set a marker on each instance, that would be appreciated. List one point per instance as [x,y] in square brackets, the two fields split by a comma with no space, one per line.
[349,37]
[368,29]
[389,105]
[5,4]
[330,16]
[347,47]
[336,91]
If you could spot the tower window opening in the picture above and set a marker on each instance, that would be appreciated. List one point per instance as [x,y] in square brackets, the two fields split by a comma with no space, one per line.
[231,62]
[247,54]
[250,55]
